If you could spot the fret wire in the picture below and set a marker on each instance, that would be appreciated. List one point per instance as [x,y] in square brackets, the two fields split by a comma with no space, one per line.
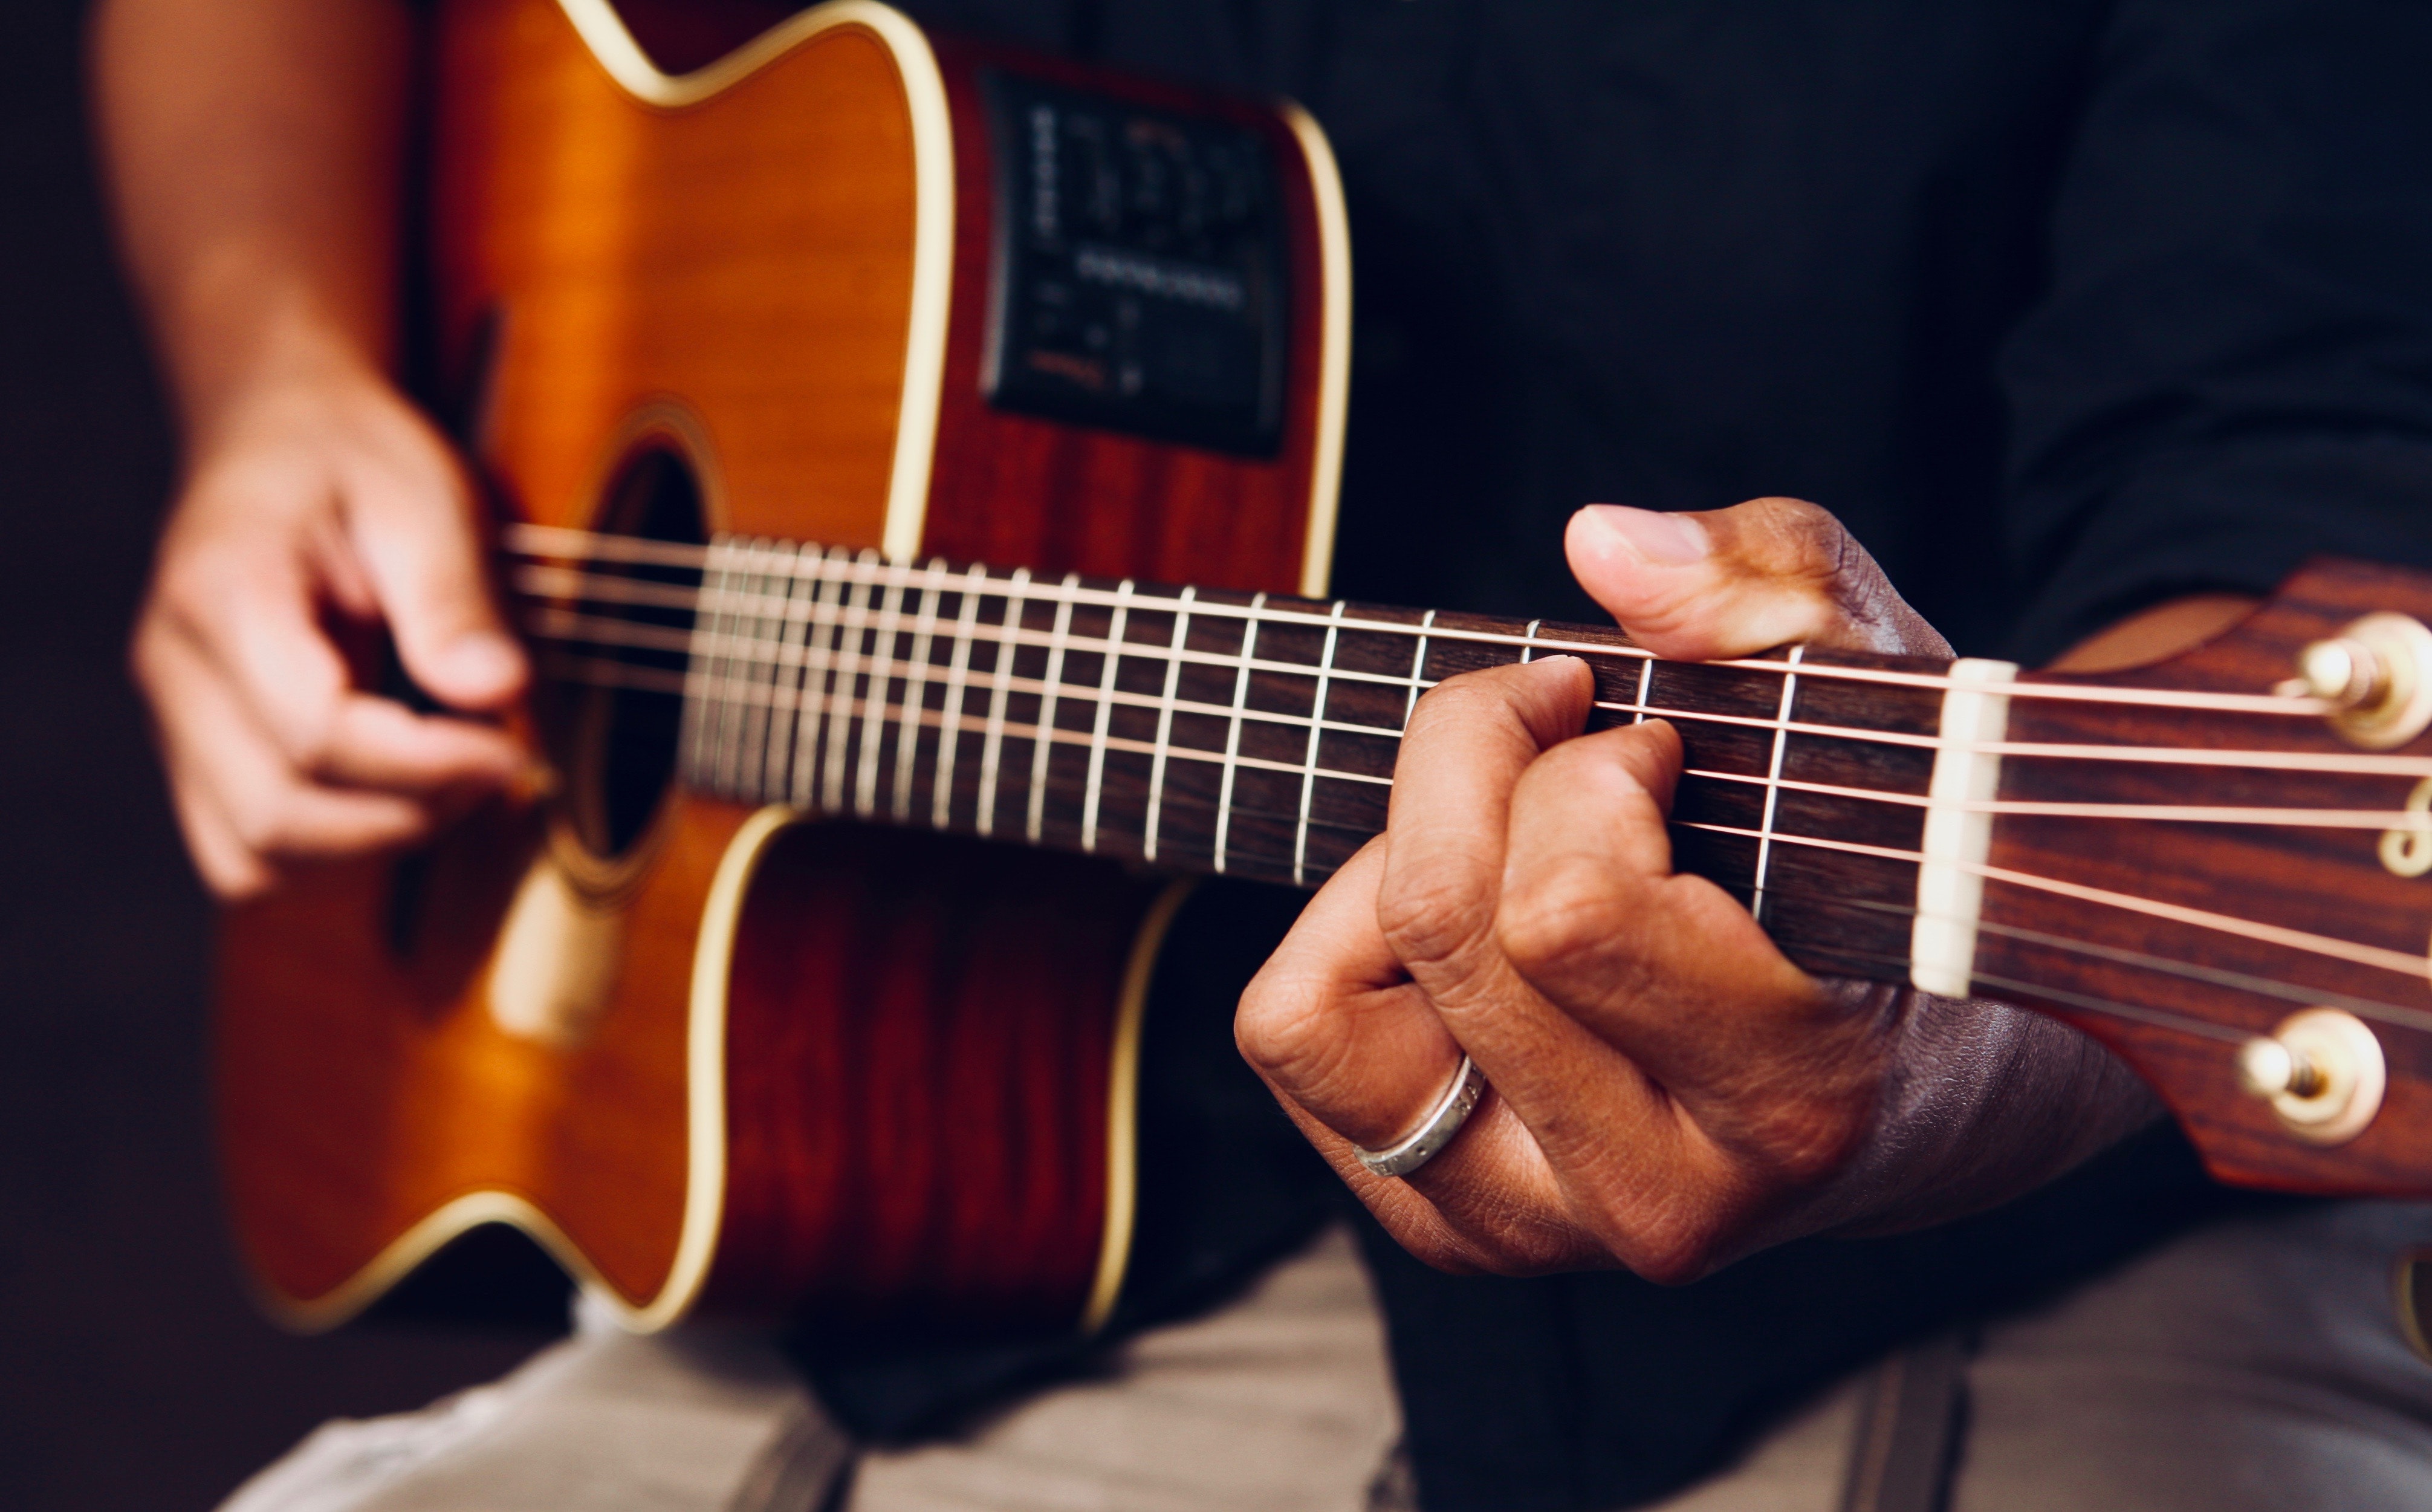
[810,717]
[933,718]
[1165,723]
[713,627]
[739,662]
[916,696]
[993,742]
[1022,637]
[750,616]
[2230,702]
[772,730]
[851,659]
[1309,763]
[1418,668]
[1075,738]
[608,633]
[699,712]
[1527,639]
[1037,814]
[759,728]
[1646,681]
[1773,789]
[1233,734]
[1106,712]
[731,718]
[873,731]
[786,733]
[950,737]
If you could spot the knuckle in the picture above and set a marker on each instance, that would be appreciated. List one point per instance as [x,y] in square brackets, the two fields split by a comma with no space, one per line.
[1533,1251]
[1672,1245]
[1279,1025]
[1805,1141]
[1431,917]
[1557,919]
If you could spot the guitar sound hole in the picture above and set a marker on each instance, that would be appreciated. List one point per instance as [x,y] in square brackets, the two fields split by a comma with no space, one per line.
[611,713]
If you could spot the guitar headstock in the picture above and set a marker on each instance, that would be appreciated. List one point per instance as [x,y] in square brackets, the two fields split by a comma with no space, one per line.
[2220,866]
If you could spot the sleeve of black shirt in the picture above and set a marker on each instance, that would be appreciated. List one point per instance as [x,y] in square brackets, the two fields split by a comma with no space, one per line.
[2232,370]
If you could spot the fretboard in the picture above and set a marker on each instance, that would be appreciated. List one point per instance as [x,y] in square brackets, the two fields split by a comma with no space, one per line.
[1245,735]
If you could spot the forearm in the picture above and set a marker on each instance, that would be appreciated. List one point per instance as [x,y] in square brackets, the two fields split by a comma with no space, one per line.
[253,149]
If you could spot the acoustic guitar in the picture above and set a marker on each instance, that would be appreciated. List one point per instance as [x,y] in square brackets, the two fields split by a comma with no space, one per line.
[814,975]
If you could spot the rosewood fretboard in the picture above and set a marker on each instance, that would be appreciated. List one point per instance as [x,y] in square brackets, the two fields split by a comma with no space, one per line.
[1247,735]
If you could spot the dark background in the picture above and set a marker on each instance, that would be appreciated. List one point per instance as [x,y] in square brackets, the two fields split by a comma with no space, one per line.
[134,1372]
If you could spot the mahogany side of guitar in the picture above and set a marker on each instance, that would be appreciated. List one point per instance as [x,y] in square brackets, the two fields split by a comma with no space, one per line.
[894,1093]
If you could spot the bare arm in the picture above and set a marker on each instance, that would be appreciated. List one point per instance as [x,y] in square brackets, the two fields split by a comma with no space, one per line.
[253,149]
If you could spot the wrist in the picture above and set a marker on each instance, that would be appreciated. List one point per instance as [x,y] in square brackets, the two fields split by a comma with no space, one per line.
[268,353]
[1983,1102]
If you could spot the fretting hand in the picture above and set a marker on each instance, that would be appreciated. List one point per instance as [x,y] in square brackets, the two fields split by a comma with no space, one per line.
[1668,1092]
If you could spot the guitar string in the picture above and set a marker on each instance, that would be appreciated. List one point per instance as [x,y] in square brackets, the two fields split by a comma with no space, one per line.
[666,681]
[2392,1013]
[2335,763]
[2152,1017]
[2385,1013]
[2351,951]
[556,543]
[2354,952]
[557,623]
[565,627]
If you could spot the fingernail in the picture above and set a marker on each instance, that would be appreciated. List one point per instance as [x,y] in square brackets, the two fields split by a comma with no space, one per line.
[1666,540]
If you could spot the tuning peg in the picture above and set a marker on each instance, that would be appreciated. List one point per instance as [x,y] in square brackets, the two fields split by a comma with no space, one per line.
[2375,675]
[2322,1071]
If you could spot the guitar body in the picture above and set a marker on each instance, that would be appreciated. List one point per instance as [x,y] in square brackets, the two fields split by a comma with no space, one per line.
[715,1055]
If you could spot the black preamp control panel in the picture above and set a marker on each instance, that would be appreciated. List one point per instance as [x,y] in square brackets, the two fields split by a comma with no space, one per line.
[1139,280]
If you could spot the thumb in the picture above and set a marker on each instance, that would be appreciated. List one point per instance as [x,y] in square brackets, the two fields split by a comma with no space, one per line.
[415,537]
[1734,582]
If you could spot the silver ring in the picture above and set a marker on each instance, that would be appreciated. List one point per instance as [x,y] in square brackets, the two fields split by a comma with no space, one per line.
[1435,1130]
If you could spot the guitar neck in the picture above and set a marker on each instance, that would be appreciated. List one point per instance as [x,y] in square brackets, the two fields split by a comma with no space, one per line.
[1241,734]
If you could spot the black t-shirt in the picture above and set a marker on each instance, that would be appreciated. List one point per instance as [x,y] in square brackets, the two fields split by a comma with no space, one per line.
[2062,305]
[2065,306]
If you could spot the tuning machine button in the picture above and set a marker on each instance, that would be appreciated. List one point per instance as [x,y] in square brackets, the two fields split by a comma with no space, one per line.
[2375,675]
[2321,1070]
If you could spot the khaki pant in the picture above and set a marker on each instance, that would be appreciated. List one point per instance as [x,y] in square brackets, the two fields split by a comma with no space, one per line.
[2256,1364]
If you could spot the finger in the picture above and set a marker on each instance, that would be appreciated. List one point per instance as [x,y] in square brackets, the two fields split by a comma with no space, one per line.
[1355,1055]
[1593,917]
[412,527]
[1734,582]
[1468,745]
[254,628]
[1769,1074]
[232,872]
[1335,1024]
[245,800]
[374,743]
[1467,742]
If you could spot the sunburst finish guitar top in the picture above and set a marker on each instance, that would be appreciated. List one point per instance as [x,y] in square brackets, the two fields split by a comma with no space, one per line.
[757,300]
